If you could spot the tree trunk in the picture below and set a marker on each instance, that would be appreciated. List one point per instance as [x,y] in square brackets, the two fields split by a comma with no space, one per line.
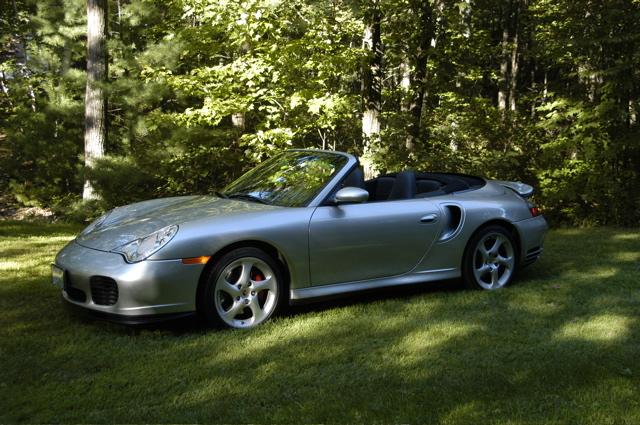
[533,88]
[509,60]
[238,120]
[515,54]
[17,41]
[466,18]
[3,86]
[66,57]
[95,132]
[425,41]
[504,72]
[405,84]
[371,86]
[513,77]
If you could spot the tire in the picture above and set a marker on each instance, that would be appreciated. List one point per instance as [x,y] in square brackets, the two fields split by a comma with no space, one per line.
[244,288]
[490,259]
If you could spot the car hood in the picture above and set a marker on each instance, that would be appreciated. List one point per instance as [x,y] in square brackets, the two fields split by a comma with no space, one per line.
[131,222]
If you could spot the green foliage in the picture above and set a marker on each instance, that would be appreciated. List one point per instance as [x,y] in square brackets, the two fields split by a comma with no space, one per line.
[201,90]
[120,181]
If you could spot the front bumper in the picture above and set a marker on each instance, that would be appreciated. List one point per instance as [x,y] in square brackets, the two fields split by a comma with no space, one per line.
[144,289]
[125,319]
[531,232]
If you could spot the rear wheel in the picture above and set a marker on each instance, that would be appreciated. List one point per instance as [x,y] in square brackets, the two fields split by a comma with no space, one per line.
[490,259]
[244,289]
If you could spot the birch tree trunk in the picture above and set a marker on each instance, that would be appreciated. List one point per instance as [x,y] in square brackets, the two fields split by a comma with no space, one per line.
[504,71]
[95,132]
[371,86]
[17,41]
[238,121]
[405,84]
[515,55]
[3,87]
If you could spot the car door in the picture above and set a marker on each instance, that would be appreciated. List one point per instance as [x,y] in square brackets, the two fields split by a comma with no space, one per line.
[353,242]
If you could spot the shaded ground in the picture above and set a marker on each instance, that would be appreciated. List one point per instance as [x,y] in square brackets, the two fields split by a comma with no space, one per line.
[10,211]
[560,346]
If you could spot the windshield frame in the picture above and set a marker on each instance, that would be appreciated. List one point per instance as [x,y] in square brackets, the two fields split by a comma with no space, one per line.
[324,190]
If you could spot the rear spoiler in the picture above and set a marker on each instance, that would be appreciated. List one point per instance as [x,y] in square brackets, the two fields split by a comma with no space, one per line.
[521,189]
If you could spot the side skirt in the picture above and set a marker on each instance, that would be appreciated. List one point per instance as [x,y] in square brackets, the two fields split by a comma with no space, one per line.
[344,288]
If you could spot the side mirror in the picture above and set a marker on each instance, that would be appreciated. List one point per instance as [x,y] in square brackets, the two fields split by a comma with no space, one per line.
[351,195]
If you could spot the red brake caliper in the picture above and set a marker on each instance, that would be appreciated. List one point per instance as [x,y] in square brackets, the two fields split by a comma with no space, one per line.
[262,295]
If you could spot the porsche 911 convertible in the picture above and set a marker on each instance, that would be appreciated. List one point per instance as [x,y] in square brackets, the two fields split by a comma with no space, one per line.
[302,225]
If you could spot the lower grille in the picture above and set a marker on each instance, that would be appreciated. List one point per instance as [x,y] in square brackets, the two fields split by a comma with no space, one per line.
[73,293]
[104,290]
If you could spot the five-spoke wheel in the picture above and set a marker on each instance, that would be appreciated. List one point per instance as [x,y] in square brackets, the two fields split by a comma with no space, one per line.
[490,259]
[243,289]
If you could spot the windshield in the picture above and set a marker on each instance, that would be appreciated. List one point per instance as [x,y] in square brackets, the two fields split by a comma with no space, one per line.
[291,179]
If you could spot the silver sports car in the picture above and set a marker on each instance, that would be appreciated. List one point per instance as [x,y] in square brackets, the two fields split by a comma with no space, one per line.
[303,225]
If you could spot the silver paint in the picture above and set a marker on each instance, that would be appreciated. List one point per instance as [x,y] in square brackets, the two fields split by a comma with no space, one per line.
[328,249]
[244,293]
[351,195]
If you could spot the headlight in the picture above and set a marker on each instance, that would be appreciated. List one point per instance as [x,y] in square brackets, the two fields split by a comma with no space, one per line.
[145,247]
[95,223]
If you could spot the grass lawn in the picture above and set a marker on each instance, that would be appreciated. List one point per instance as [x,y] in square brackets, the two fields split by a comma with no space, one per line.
[562,345]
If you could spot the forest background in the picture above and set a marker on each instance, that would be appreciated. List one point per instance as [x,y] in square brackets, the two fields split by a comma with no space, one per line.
[182,96]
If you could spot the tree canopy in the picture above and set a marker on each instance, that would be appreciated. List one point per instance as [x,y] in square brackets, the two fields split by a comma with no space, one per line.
[546,92]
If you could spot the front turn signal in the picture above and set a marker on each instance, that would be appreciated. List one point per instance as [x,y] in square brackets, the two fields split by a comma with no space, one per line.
[196,260]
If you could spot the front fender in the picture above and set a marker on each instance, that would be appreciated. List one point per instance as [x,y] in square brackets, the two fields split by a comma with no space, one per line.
[287,229]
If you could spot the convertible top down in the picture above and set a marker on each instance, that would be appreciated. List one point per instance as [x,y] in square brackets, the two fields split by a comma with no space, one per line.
[302,225]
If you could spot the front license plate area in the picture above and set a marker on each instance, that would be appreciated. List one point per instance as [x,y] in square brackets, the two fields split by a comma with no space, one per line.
[57,276]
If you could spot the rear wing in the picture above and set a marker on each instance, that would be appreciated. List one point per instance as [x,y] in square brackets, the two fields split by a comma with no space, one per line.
[521,189]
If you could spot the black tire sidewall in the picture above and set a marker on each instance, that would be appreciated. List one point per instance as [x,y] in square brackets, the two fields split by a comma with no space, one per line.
[206,302]
[468,258]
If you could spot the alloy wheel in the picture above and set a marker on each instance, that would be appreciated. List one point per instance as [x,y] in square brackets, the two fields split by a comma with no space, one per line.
[493,261]
[246,293]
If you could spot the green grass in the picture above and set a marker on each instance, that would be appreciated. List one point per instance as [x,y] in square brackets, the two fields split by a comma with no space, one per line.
[562,345]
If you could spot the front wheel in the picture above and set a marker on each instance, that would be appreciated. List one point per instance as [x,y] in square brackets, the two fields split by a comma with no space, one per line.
[243,289]
[490,259]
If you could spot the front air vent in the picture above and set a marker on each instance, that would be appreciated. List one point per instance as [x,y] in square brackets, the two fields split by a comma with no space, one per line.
[73,293]
[104,290]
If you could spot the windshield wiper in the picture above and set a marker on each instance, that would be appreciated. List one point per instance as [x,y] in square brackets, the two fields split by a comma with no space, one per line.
[248,197]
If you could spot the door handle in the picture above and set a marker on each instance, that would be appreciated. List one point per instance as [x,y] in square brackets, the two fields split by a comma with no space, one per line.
[429,218]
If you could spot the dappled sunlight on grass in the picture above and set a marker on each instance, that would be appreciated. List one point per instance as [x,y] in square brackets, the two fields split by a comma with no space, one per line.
[595,273]
[603,327]
[627,256]
[545,308]
[466,413]
[415,344]
[561,345]
[9,265]
[631,236]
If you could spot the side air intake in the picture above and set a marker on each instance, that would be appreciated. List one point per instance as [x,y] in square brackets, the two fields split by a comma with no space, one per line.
[452,221]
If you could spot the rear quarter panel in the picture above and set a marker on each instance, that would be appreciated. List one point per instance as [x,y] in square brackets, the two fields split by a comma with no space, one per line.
[491,202]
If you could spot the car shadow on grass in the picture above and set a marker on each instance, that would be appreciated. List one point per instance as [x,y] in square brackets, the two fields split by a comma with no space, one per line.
[401,293]
[194,325]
